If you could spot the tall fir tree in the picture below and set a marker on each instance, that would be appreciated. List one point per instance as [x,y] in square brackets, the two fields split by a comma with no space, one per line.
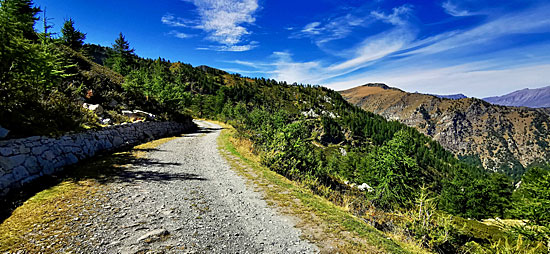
[122,57]
[72,37]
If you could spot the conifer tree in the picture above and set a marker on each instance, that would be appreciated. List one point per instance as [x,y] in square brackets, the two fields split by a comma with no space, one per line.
[122,57]
[72,37]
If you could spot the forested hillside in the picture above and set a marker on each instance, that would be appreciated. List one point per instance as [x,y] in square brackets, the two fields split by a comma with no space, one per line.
[45,80]
[386,172]
[500,138]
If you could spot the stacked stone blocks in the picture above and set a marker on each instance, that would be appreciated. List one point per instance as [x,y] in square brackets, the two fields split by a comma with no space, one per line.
[24,160]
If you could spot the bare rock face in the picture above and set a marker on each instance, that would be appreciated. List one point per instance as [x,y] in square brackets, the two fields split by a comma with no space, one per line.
[502,138]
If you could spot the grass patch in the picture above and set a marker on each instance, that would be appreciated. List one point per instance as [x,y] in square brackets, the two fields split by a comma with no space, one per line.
[329,226]
[44,222]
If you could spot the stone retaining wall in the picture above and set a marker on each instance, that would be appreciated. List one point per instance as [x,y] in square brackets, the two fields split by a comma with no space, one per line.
[23,160]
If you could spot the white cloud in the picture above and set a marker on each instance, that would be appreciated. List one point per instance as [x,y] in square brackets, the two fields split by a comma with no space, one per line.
[225,20]
[396,17]
[453,10]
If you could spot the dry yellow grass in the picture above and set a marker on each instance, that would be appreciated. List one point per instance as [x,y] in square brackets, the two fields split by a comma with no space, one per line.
[44,222]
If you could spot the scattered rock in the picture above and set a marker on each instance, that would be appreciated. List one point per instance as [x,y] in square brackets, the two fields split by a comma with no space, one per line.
[105,121]
[138,115]
[96,108]
[154,235]
[365,186]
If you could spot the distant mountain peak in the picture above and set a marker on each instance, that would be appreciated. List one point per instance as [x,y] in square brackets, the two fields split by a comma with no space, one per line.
[532,98]
[381,85]
[457,96]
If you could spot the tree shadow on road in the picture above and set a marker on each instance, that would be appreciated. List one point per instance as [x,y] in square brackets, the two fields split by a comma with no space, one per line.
[208,130]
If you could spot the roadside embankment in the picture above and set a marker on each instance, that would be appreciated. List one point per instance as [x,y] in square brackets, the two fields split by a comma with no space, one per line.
[24,160]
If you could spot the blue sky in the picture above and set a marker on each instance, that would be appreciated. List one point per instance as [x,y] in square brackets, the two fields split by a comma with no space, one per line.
[476,47]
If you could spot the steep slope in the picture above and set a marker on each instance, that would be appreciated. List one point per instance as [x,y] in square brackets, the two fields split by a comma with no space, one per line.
[533,98]
[503,138]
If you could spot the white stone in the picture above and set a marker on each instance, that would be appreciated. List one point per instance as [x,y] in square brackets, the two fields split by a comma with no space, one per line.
[96,108]
[365,186]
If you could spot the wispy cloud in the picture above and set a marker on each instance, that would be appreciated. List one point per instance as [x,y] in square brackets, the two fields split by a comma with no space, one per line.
[396,17]
[179,34]
[170,20]
[433,62]
[453,9]
[535,20]
[231,48]
[374,48]
[312,28]
[332,29]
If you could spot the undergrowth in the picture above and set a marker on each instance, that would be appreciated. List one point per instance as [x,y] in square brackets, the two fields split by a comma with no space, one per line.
[330,226]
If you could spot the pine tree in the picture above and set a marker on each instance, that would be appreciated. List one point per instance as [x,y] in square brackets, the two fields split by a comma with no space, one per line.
[121,59]
[72,37]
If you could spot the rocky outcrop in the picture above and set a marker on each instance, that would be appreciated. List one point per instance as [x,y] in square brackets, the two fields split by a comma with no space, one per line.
[500,138]
[23,160]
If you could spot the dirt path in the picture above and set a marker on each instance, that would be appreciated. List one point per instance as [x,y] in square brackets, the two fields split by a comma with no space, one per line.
[186,199]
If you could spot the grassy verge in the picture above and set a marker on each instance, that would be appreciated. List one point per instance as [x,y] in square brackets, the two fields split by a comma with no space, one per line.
[329,226]
[44,221]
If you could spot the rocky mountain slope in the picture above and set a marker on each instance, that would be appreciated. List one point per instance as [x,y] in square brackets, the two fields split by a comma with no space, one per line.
[533,98]
[503,138]
[451,96]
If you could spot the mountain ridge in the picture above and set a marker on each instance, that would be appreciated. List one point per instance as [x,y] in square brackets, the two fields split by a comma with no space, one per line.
[527,97]
[501,138]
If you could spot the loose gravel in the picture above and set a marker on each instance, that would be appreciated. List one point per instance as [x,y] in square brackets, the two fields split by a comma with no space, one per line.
[185,198]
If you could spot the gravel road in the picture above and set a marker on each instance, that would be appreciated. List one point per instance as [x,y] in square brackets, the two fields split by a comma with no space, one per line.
[185,198]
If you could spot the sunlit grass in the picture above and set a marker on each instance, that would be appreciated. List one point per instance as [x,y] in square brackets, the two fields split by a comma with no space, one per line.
[329,226]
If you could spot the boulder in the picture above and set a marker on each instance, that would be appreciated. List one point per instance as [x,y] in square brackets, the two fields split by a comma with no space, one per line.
[138,115]
[96,108]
